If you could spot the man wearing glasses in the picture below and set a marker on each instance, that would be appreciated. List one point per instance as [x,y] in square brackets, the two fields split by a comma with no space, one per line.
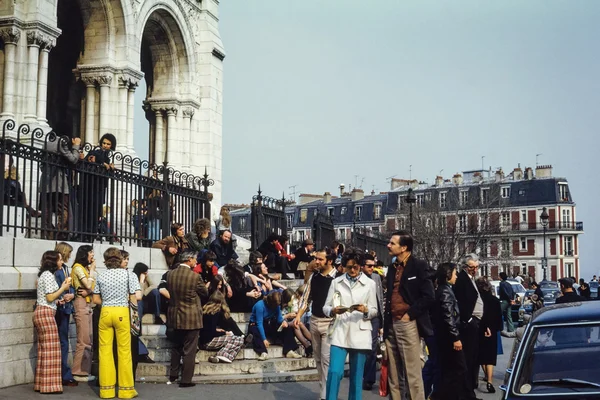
[409,297]
[470,306]
[371,363]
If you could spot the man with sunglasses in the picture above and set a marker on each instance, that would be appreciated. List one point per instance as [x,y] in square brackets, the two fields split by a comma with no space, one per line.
[409,297]
[470,306]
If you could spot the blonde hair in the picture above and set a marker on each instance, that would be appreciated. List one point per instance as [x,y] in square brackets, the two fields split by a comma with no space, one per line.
[225,218]
[113,258]
[216,303]
[65,250]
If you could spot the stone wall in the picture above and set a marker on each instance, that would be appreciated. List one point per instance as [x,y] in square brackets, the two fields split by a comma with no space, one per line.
[19,263]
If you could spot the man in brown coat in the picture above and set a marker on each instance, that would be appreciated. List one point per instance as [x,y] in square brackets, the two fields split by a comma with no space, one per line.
[184,316]
[174,244]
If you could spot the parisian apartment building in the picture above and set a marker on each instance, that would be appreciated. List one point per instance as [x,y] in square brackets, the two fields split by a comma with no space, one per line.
[516,222]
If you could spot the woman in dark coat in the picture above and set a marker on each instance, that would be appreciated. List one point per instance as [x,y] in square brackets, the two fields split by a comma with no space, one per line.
[491,324]
[454,385]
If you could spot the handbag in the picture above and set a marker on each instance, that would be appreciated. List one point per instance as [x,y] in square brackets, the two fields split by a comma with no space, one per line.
[383,379]
[134,317]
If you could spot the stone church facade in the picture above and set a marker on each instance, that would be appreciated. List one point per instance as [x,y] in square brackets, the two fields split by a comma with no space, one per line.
[74,66]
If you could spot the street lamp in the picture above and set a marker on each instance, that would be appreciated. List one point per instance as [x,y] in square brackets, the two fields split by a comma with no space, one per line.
[411,199]
[544,221]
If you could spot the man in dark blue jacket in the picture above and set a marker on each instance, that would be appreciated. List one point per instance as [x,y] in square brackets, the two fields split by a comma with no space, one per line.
[507,299]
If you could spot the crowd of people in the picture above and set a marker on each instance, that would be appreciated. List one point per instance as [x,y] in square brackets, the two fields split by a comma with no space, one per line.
[346,309]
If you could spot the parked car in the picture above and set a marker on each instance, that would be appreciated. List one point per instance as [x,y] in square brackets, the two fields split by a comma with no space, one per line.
[556,356]
[550,296]
[517,316]
[594,289]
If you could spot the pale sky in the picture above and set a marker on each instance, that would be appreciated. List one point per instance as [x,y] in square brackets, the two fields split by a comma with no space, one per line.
[316,92]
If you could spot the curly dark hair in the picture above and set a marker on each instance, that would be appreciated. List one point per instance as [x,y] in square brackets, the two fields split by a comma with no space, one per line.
[201,225]
[354,254]
[49,262]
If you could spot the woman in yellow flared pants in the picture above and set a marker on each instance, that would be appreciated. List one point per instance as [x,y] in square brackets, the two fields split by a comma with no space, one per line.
[114,289]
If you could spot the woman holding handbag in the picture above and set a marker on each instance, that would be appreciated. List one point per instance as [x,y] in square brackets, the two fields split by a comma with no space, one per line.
[115,289]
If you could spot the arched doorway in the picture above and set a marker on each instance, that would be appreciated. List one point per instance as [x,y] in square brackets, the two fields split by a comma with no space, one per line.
[64,91]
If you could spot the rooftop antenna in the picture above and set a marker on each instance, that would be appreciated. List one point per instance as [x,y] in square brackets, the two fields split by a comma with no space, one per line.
[362,180]
[410,172]
[389,178]
[482,167]
[537,156]
[293,194]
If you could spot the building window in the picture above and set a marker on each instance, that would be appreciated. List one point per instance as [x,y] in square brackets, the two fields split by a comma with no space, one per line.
[443,223]
[358,213]
[462,223]
[375,229]
[569,270]
[344,209]
[303,216]
[402,223]
[505,192]
[505,245]
[330,211]
[463,198]
[568,245]
[505,219]
[290,220]
[524,268]
[485,196]
[401,201]
[428,196]
[566,218]
[242,223]
[420,198]
[343,234]
[483,252]
[301,236]
[563,191]
[315,212]
[524,216]
[483,222]
[443,199]
[377,211]
[523,244]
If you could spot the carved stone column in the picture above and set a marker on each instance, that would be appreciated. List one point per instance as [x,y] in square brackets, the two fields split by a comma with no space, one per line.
[172,148]
[34,40]
[42,82]
[10,36]
[104,81]
[90,102]
[186,145]
[159,138]
[122,108]
[130,111]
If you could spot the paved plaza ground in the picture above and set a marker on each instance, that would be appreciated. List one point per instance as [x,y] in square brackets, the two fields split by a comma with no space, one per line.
[268,391]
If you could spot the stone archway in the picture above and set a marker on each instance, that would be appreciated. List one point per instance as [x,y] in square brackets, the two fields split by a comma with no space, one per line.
[165,62]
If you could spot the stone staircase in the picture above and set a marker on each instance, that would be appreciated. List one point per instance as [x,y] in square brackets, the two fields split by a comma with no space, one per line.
[245,369]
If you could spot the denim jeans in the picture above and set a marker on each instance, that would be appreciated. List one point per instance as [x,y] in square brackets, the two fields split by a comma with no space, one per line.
[154,230]
[336,372]
[62,322]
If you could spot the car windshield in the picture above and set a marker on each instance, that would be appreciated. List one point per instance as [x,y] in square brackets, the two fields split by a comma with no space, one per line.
[558,359]
[517,287]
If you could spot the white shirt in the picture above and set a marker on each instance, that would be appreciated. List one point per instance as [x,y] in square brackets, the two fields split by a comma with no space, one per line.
[46,285]
[113,284]
[351,330]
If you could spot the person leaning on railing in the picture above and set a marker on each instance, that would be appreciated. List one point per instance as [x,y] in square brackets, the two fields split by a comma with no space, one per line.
[13,194]
[174,244]
[56,186]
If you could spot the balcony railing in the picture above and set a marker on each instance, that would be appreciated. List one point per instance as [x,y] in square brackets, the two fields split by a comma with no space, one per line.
[552,226]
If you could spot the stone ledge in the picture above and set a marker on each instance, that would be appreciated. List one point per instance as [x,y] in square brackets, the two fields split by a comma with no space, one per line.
[269,377]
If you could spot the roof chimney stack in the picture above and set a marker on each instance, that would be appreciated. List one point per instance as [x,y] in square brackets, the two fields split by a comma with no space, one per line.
[439,180]
[499,175]
[327,198]
[543,171]
[457,179]
[342,186]
[357,194]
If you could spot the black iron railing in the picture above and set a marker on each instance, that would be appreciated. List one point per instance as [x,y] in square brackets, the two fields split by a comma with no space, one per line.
[323,231]
[267,217]
[52,188]
[372,241]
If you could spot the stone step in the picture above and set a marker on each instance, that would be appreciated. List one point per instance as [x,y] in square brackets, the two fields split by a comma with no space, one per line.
[267,377]
[164,354]
[239,367]
[152,330]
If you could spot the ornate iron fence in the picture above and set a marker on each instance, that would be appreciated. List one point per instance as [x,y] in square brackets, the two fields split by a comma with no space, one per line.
[267,217]
[52,188]
[323,232]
